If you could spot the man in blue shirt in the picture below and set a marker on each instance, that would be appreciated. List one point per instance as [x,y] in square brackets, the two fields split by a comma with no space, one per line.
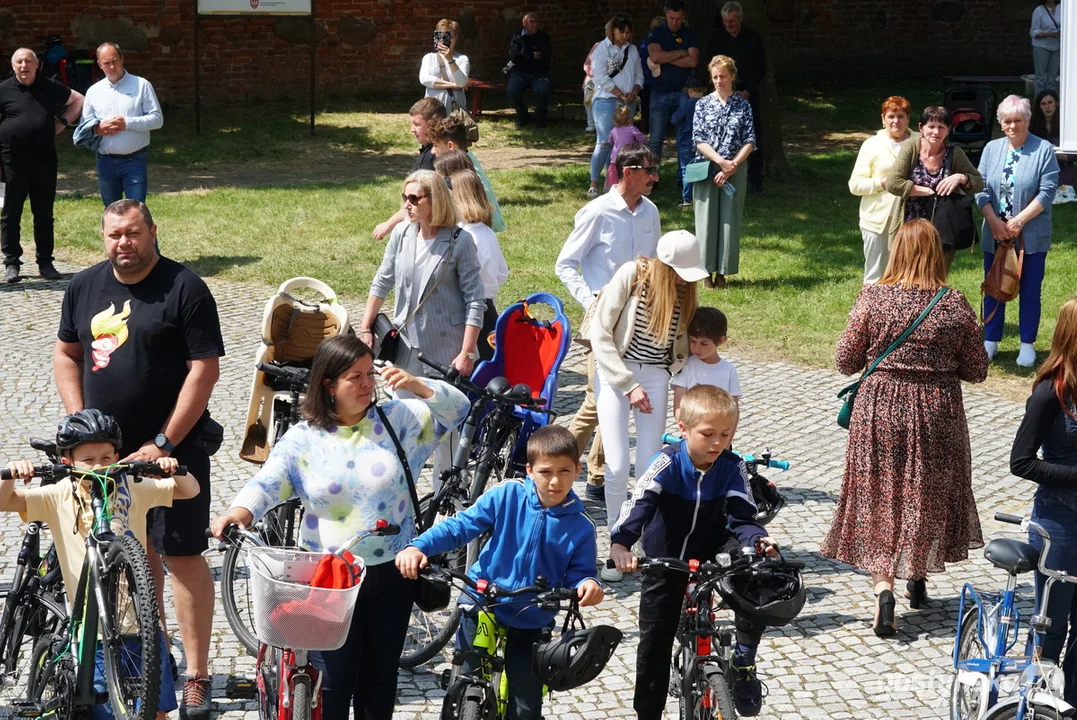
[674,49]
[125,110]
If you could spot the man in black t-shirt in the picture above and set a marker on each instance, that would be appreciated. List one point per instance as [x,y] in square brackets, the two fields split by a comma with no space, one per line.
[140,340]
[33,110]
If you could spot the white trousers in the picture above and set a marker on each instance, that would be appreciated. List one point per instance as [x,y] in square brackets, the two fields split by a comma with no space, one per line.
[613,412]
[876,255]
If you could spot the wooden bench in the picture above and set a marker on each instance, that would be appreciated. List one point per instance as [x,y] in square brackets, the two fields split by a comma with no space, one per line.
[476,88]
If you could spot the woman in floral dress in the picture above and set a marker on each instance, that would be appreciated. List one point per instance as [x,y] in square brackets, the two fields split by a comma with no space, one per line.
[723,133]
[343,465]
[906,505]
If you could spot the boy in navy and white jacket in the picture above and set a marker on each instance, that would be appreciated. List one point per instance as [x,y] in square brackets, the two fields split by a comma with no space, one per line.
[693,502]
[539,527]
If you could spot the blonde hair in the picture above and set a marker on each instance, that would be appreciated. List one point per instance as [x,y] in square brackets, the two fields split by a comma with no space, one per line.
[623,115]
[450,25]
[916,260]
[658,282]
[1060,367]
[443,209]
[723,61]
[703,401]
[470,197]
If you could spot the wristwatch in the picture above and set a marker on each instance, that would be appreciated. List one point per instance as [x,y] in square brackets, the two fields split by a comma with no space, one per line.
[471,355]
[162,442]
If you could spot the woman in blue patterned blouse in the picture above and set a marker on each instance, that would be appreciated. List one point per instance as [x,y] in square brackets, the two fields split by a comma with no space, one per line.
[342,464]
[723,133]
[1021,176]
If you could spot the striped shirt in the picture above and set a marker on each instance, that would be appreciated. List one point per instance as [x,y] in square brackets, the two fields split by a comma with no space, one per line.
[644,347]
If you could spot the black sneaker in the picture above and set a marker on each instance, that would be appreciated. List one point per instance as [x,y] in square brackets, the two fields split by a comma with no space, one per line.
[197,694]
[595,493]
[11,274]
[48,271]
[747,691]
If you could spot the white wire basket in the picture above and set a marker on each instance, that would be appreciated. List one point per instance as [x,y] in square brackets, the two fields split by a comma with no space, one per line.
[288,613]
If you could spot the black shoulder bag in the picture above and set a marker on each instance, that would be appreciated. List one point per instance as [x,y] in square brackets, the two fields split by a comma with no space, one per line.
[429,595]
[624,61]
[952,215]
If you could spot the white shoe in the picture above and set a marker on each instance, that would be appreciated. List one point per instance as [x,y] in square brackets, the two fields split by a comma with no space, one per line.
[610,574]
[991,347]
[1026,357]
[592,192]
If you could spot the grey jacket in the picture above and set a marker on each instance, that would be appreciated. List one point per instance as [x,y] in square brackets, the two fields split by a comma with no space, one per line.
[457,300]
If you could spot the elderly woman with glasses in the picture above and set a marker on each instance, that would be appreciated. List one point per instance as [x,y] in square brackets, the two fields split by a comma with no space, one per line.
[724,134]
[1021,175]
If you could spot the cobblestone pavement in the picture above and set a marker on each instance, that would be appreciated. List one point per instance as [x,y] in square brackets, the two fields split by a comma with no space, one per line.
[827,664]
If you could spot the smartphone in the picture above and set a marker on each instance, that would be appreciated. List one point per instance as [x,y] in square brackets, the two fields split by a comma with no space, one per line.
[728,189]
[442,37]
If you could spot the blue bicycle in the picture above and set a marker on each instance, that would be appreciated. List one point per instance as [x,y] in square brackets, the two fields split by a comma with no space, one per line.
[990,627]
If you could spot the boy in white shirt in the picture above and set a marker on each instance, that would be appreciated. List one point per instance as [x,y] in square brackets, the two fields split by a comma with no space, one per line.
[706,333]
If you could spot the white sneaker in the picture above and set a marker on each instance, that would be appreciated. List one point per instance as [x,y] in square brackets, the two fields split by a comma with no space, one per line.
[991,347]
[592,192]
[1026,357]
[610,574]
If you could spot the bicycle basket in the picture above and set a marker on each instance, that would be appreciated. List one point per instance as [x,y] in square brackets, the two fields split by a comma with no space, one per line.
[288,613]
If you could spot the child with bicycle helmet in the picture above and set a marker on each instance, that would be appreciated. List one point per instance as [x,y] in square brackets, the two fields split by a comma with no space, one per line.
[91,439]
[693,502]
[537,527]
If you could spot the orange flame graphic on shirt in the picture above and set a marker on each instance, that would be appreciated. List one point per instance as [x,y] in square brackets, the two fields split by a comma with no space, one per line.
[109,329]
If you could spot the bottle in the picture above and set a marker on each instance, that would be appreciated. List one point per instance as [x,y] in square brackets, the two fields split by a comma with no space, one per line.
[505,70]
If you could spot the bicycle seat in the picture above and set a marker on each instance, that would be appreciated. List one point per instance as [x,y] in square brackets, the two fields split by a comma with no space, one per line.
[1013,556]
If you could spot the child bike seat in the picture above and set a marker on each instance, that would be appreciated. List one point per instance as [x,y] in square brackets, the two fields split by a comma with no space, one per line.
[1013,556]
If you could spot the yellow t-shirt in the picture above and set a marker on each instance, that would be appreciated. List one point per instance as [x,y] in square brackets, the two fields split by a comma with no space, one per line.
[57,506]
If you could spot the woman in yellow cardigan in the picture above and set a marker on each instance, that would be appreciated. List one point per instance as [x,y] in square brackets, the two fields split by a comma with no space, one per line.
[868,181]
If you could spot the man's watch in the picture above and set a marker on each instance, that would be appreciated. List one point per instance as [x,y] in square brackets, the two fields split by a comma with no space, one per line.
[162,442]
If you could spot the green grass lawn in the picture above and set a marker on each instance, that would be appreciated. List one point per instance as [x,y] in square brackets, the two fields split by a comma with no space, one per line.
[801,258]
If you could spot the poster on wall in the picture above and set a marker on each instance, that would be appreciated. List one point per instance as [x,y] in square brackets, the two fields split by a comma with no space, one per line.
[1068,81]
[254,7]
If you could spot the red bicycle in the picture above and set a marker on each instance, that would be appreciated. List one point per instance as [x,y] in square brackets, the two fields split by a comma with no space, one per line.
[292,617]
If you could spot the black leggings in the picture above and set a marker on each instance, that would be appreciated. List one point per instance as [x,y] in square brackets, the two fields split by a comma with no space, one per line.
[362,673]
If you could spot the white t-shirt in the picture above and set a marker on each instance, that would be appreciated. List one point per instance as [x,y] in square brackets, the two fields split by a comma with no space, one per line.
[721,374]
[493,269]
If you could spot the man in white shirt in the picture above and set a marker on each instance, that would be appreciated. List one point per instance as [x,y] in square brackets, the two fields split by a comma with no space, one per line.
[125,110]
[610,231]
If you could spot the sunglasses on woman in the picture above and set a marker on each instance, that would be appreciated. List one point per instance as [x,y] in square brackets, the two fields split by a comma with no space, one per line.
[412,199]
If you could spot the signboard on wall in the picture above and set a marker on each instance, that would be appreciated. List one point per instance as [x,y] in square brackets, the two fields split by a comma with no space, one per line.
[1068,81]
[254,7]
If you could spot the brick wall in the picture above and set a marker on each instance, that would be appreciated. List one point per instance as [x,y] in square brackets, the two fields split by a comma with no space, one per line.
[376,45]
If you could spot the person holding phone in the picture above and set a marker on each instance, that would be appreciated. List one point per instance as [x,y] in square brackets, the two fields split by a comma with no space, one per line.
[444,72]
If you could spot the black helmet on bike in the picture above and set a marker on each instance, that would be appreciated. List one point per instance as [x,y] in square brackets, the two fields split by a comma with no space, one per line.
[88,426]
[772,596]
[575,657]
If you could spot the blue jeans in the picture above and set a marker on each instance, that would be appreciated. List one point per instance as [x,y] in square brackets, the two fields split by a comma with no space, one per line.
[1060,520]
[1046,63]
[539,84]
[663,104]
[525,688]
[166,701]
[685,153]
[122,177]
[603,110]
[1029,312]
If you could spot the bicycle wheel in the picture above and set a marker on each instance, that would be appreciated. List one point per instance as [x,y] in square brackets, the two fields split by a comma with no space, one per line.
[51,680]
[1036,710]
[279,527]
[705,693]
[132,649]
[965,700]
[30,615]
[494,464]
[301,709]
[471,709]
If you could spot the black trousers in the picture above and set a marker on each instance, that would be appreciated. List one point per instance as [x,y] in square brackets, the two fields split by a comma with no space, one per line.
[489,324]
[38,182]
[362,673]
[659,614]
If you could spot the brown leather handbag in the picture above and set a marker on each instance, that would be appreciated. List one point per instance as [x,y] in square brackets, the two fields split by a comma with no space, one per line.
[1003,281]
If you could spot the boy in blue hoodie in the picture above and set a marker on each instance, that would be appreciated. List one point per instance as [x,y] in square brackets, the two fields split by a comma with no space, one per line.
[682,120]
[539,527]
[693,502]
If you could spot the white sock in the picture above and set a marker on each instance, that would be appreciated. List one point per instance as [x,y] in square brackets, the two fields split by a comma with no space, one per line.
[1026,357]
[991,347]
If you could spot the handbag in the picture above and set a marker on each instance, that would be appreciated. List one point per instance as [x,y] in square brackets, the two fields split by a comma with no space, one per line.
[849,391]
[589,92]
[465,119]
[1003,280]
[430,596]
[952,216]
[697,171]
[390,342]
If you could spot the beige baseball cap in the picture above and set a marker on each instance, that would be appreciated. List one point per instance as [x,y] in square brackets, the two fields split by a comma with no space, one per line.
[680,251]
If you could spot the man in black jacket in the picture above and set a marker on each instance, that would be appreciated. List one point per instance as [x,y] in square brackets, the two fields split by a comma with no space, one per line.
[529,66]
[745,46]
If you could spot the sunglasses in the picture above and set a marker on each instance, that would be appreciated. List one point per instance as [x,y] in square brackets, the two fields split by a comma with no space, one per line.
[649,169]
[413,199]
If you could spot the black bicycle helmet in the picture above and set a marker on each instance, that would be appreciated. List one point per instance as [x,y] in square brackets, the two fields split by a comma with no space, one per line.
[771,596]
[88,426]
[575,657]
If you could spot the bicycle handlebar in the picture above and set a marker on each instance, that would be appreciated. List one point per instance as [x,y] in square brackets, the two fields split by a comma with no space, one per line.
[490,591]
[1007,518]
[453,376]
[673,438]
[141,469]
[712,568]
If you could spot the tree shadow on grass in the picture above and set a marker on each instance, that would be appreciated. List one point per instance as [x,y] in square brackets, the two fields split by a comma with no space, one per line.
[210,265]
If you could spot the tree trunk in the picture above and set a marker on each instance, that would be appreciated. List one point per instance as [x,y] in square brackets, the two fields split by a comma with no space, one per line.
[776,165]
